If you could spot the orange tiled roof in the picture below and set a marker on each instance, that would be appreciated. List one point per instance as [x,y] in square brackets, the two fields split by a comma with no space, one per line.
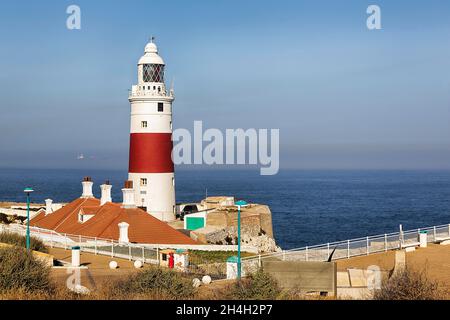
[143,228]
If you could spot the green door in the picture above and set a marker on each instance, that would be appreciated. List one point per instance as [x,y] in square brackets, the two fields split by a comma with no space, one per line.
[194,223]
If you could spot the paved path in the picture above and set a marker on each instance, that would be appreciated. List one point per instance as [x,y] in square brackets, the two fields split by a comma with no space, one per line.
[97,270]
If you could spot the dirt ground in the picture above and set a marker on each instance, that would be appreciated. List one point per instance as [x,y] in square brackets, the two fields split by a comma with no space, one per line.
[433,260]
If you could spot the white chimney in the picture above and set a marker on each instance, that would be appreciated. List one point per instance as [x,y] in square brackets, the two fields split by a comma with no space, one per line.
[123,232]
[128,195]
[106,193]
[48,206]
[87,188]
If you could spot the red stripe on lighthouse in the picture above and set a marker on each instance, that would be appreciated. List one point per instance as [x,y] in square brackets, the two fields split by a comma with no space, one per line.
[151,153]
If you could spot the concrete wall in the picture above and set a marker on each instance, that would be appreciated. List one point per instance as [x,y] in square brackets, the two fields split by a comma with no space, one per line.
[304,275]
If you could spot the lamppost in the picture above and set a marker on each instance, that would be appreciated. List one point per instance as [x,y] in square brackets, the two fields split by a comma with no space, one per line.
[28,191]
[239,204]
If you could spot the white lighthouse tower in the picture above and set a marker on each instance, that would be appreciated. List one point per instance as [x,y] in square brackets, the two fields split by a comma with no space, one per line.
[151,167]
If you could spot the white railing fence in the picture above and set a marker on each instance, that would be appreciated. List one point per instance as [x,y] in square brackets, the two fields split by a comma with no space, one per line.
[94,245]
[147,253]
[150,253]
[356,247]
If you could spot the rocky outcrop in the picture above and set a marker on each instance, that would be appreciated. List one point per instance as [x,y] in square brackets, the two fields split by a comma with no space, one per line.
[222,221]
[229,236]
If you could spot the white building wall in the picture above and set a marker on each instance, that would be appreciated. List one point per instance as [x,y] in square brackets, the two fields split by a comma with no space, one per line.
[158,196]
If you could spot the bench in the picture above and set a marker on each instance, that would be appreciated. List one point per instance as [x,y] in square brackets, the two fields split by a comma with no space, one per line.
[409,245]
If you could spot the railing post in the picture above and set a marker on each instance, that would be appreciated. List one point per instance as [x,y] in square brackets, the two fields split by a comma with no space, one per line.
[112,248]
[385,242]
[328,250]
[434,234]
[157,255]
[129,252]
[306,252]
[348,249]
[259,261]
[367,243]
[95,245]
[143,255]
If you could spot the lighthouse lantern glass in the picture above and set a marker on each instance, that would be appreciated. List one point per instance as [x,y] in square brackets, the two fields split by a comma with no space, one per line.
[153,73]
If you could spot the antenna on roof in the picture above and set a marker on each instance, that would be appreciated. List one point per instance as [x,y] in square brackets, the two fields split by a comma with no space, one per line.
[152,38]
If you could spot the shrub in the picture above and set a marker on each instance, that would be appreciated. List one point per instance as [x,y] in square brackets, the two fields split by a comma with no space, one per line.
[213,256]
[153,282]
[408,285]
[4,219]
[21,241]
[257,286]
[20,271]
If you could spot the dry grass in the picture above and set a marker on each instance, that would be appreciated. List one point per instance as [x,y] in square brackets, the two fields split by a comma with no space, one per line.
[409,285]
[21,272]
[154,282]
[257,286]
[21,241]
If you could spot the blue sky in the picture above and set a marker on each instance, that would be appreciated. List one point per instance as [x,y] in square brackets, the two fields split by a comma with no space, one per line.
[341,95]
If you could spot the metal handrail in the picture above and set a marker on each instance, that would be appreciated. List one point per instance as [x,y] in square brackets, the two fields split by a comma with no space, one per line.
[347,244]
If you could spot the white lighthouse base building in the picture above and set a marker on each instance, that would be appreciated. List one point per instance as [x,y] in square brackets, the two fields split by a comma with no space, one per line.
[148,193]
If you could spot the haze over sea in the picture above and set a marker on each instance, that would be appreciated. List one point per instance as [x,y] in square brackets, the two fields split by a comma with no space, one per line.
[308,207]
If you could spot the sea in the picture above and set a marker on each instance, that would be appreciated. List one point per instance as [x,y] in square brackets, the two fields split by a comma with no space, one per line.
[308,207]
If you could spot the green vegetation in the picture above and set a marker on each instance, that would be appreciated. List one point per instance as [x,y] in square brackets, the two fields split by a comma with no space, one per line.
[153,282]
[20,241]
[257,286]
[409,285]
[214,256]
[8,219]
[4,218]
[20,271]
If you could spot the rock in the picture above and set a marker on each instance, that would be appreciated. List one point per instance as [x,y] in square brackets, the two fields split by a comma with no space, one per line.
[206,280]
[80,289]
[113,265]
[196,283]
[228,236]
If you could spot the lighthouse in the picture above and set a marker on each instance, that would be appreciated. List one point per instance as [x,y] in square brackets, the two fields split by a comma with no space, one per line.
[151,168]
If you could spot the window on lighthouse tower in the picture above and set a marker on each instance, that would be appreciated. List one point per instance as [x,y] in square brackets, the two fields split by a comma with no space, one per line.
[160,107]
[153,73]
